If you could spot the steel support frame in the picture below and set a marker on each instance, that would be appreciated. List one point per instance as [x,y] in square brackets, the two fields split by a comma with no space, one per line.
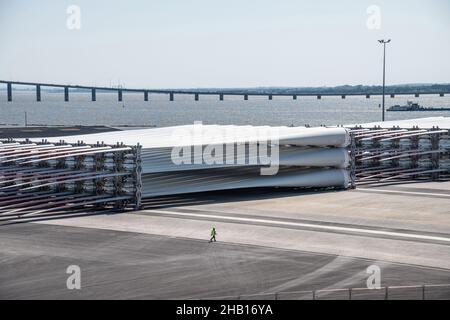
[102,175]
[392,150]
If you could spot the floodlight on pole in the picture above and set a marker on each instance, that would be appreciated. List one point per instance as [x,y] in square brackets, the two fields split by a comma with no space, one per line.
[384,42]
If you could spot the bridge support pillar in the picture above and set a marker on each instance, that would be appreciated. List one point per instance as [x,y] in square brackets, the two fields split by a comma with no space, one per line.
[145,95]
[93,95]
[38,92]
[66,94]
[171,96]
[9,89]
[119,96]
[221,97]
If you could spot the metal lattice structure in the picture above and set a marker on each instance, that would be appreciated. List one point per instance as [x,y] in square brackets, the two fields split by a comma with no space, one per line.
[43,177]
[396,154]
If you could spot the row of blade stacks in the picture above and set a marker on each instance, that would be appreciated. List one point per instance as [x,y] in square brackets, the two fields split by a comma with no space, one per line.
[38,178]
[199,158]
[397,154]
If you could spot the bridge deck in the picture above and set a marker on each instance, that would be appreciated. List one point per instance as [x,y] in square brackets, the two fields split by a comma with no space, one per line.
[197,92]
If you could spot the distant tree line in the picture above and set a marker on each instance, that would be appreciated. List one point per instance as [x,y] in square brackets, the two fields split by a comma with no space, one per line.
[344,89]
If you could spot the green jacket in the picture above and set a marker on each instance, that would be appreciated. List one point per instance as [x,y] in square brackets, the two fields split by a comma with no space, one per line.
[213,232]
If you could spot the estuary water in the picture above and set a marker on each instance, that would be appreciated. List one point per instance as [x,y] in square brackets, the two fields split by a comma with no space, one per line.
[160,112]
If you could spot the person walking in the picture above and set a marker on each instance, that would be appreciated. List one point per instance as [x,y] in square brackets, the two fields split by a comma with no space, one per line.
[213,235]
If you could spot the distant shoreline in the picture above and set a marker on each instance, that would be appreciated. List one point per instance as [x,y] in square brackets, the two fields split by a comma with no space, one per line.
[344,89]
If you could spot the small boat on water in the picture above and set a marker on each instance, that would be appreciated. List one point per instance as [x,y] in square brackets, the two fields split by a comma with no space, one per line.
[413,106]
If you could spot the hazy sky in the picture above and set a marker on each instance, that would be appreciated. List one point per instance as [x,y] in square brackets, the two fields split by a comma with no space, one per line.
[229,43]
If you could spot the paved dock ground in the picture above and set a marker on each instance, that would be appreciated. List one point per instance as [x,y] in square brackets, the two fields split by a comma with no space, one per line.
[47,131]
[268,241]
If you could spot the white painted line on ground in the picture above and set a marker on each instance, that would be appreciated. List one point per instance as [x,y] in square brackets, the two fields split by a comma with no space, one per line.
[307,225]
[405,192]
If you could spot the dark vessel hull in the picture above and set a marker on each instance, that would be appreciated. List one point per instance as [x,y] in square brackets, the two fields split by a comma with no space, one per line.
[422,109]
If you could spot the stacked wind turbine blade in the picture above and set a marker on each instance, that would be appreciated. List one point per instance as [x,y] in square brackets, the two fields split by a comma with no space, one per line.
[402,150]
[42,177]
[198,158]
[198,134]
[161,159]
[170,183]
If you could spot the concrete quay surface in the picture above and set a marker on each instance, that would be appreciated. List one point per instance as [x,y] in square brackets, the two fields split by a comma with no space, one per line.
[268,241]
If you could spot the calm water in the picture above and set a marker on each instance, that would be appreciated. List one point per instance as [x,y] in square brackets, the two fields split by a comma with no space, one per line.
[184,110]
